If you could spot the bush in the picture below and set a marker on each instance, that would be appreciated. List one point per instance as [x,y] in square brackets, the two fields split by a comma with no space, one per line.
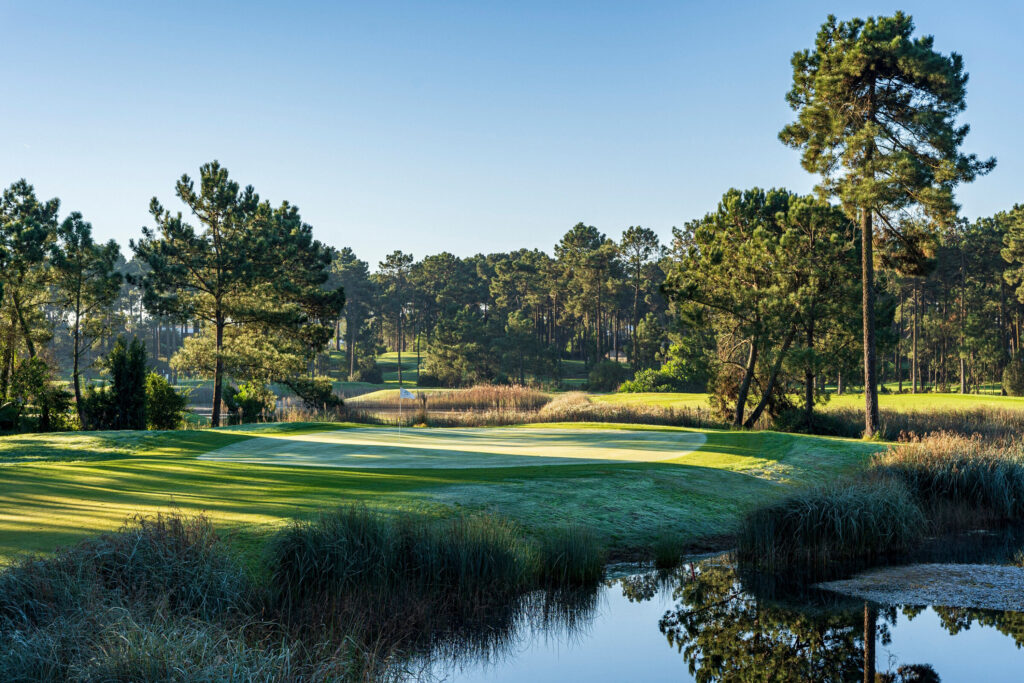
[674,376]
[367,371]
[1013,377]
[121,405]
[607,375]
[165,407]
[33,385]
[251,402]
[316,393]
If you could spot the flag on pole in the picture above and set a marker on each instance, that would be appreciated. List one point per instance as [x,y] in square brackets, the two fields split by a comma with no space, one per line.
[405,393]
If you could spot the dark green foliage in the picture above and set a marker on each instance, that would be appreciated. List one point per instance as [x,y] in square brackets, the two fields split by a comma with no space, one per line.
[251,402]
[317,393]
[165,407]
[1013,377]
[823,528]
[607,375]
[122,403]
[34,390]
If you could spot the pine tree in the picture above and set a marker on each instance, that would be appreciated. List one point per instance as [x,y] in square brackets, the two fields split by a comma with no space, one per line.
[876,117]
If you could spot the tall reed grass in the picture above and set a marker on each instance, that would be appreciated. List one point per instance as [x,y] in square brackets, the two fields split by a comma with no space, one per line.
[962,480]
[484,397]
[569,407]
[820,528]
[934,485]
[1000,425]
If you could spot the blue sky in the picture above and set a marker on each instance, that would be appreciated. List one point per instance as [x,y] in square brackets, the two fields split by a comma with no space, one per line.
[429,126]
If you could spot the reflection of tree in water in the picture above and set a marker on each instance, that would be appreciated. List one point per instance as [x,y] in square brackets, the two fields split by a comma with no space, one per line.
[727,634]
[957,619]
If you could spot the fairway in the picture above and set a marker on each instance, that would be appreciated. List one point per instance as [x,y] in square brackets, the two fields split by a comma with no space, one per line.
[459,448]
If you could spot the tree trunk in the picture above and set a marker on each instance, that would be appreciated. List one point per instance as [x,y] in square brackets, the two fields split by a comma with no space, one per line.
[870,619]
[899,338]
[809,375]
[748,376]
[74,374]
[839,383]
[29,344]
[218,372]
[351,349]
[915,370]
[770,386]
[868,291]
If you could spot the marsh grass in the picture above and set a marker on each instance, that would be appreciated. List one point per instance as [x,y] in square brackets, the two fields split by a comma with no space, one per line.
[940,484]
[569,407]
[961,482]
[993,424]
[482,397]
[359,566]
[821,528]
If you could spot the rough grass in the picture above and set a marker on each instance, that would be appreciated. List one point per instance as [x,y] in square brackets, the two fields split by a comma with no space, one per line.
[967,481]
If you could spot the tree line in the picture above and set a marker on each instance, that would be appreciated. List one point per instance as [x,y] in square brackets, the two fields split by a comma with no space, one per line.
[874,280]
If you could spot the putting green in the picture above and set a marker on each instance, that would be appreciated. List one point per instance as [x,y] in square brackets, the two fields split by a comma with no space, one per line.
[459,448]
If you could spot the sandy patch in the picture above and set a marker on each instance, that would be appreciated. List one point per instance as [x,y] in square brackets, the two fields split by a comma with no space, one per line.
[980,586]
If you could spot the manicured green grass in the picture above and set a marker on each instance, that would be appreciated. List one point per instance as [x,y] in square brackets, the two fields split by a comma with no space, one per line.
[58,488]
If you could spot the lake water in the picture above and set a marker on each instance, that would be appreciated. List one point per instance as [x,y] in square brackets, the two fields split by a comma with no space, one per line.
[702,622]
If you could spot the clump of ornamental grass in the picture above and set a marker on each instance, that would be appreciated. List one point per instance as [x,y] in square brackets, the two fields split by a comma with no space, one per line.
[571,556]
[818,529]
[960,481]
[667,550]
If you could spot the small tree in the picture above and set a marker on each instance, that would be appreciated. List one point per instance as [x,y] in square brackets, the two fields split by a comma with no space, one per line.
[122,404]
[165,407]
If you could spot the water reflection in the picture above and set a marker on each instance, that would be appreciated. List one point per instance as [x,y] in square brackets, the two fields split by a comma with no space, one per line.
[707,622]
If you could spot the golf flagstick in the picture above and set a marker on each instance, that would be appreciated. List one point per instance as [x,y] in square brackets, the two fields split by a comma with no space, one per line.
[403,394]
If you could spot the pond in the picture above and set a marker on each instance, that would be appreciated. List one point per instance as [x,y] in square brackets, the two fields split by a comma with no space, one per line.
[704,622]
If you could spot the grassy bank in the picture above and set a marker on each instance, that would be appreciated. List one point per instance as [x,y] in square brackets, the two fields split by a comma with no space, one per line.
[58,488]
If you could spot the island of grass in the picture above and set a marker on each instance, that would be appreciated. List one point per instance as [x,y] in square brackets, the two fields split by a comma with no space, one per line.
[628,485]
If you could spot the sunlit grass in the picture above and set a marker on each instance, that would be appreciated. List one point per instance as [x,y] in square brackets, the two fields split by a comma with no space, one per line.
[46,504]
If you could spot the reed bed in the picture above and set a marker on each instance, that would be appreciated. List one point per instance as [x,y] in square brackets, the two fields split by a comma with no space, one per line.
[482,397]
[352,595]
[821,528]
[569,407]
[963,481]
[998,425]
[921,487]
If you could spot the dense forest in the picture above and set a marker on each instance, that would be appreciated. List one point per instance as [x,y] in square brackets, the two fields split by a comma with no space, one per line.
[761,301]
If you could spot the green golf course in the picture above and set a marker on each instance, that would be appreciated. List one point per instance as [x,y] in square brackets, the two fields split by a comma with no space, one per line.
[629,485]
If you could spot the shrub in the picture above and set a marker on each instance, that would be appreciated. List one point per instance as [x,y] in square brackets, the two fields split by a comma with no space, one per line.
[33,385]
[607,375]
[122,404]
[1013,377]
[821,528]
[316,393]
[165,407]
[251,402]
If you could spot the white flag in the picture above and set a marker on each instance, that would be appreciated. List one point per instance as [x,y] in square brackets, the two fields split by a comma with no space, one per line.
[405,393]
